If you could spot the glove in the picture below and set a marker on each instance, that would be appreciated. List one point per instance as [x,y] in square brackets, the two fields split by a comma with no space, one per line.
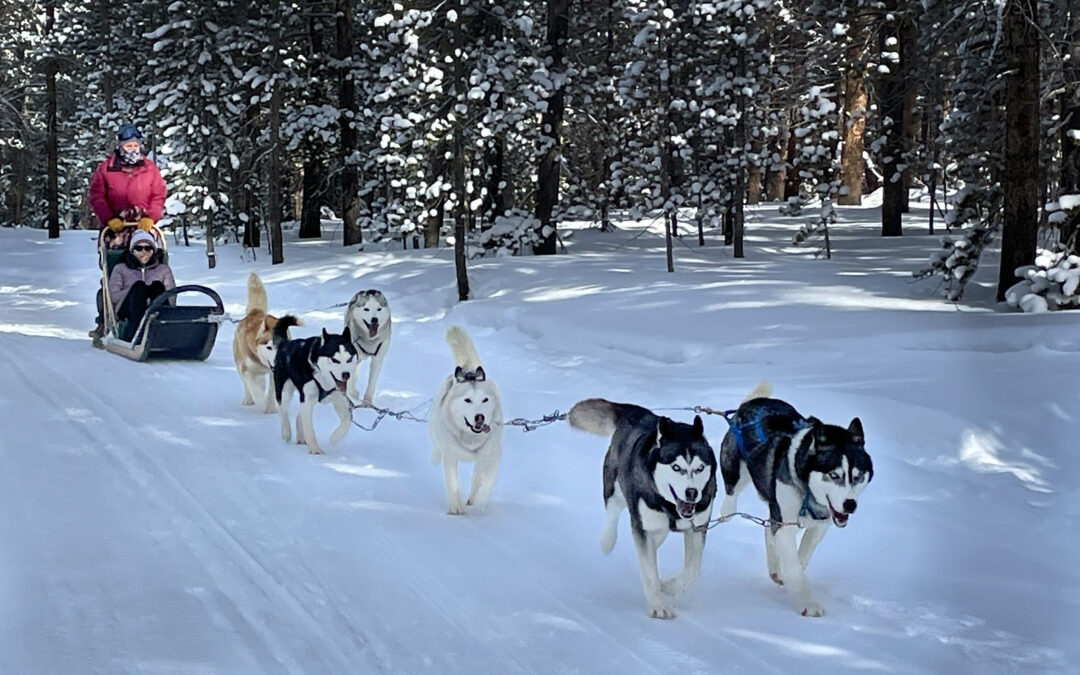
[115,224]
[145,224]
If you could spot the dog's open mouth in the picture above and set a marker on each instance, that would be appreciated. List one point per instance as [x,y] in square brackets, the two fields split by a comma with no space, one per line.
[372,329]
[685,509]
[839,518]
[340,385]
[477,429]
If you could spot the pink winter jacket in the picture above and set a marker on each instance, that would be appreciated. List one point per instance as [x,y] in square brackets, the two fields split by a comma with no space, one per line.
[113,190]
[124,276]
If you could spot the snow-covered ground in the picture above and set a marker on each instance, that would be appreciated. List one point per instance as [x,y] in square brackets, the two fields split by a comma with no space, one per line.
[150,524]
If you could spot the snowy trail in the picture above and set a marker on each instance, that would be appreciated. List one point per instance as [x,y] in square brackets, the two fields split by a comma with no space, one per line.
[239,578]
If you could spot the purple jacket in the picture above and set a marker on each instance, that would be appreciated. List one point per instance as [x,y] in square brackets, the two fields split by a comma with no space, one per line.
[124,276]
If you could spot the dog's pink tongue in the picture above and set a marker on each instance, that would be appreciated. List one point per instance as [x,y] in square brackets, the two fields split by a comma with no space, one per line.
[686,509]
[372,331]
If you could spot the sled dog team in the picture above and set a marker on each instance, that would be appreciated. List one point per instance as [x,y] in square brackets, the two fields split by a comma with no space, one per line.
[664,472]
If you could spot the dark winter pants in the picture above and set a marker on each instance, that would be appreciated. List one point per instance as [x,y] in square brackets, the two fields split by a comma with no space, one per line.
[135,304]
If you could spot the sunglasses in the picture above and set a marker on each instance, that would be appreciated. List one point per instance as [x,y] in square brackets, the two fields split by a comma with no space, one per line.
[141,248]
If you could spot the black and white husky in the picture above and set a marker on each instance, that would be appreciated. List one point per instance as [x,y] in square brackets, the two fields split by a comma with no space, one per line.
[319,368]
[466,425]
[664,472]
[809,473]
[367,319]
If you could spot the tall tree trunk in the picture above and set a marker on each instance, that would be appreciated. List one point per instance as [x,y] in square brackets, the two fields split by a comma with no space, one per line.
[273,169]
[19,157]
[498,192]
[52,184]
[458,163]
[908,66]
[107,87]
[314,189]
[350,182]
[738,192]
[792,182]
[754,179]
[558,28]
[777,174]
[252,226]
[727,223]
[892,116]
[608,151]
[1070,115]
[498,189]
[435,211]
[854,115]
[212,188]
[1021,208]
[669,228]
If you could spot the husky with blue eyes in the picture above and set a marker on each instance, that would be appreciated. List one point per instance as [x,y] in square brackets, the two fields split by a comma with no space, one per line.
[318,368]
[664,473]
[809,473]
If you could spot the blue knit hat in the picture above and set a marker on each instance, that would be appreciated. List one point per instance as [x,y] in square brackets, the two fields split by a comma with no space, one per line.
[127,132]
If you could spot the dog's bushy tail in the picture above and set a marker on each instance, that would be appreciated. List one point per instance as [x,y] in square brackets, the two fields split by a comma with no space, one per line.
[281,328]
[462,348]
[256,293]
[594,415]
[762,390]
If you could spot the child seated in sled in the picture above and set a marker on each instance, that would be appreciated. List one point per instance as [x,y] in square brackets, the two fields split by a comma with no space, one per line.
[137,280]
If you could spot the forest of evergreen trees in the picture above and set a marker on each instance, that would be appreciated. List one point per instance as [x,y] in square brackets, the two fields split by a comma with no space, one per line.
[497,120]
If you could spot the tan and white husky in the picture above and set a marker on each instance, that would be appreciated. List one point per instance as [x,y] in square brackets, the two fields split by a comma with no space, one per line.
[253,348]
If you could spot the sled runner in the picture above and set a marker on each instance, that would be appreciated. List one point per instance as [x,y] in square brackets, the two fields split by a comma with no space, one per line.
[167,330]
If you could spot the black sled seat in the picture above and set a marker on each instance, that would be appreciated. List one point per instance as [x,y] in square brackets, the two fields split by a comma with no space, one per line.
[169,330]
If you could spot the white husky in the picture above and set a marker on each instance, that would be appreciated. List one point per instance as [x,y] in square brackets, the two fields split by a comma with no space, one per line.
[466,425]
[369,323]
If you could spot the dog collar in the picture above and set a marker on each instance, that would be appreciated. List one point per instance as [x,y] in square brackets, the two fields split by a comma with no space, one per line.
[323,393]
[359,346]
[811,508]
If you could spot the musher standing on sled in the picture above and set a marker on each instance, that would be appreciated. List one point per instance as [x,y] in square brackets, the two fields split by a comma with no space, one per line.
[126,186]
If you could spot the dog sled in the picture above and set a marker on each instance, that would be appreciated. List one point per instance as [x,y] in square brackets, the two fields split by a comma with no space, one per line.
[168,330]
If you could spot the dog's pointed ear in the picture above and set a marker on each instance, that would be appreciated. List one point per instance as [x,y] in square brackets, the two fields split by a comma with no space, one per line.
[817,428]
[480,375]
[699,427]
[663,428]
[856,429]
[346,334]
[459,374]
[325,335]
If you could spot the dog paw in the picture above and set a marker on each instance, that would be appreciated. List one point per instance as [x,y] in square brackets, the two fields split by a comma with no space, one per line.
[661,612]
[775,576]
[813,609]
[455,510]
[672,586]
[314,451]
[367,403]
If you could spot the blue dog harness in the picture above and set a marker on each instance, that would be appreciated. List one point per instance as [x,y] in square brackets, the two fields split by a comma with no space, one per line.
[755,426]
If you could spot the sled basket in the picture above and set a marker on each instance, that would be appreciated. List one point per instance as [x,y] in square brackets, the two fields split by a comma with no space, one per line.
[168,330]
